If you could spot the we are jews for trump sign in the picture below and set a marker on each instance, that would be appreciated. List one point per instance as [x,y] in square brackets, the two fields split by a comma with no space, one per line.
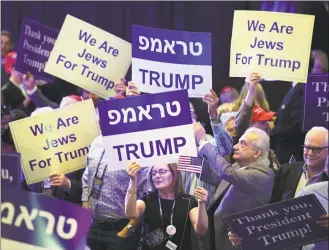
[89,57]
[150,129]
[167,60]
[57,141]
[276,44]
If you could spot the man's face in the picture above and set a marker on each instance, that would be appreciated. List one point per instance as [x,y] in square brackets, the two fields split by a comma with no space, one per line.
[315,149]
[244,151]
[6,45]
[18,76]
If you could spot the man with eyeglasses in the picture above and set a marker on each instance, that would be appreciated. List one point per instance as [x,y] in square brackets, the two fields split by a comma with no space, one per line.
[293,177]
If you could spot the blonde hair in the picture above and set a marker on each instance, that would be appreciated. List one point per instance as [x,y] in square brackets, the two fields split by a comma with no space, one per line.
[322,57]
[260,98]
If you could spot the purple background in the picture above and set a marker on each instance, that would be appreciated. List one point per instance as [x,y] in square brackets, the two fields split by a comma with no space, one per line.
[313,115]
[172,35]
[11,162]
[38,237]
[251,241]
[44,30]
[157,122]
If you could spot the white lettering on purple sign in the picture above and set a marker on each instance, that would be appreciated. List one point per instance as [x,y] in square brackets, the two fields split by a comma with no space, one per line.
[166,46]
[130,114]
[28,217]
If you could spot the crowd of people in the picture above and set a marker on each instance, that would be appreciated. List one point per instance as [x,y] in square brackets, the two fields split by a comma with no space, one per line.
[255,157]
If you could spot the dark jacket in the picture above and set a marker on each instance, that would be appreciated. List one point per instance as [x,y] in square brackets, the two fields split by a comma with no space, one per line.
[286,181]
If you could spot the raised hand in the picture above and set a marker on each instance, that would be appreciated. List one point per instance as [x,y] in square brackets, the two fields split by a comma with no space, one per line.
[59,180]
[212,101]
[28,81]
[132,170]
[235,239]
[132,89]
[201,194]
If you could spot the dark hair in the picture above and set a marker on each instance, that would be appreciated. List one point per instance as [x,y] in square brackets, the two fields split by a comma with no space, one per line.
[177,178]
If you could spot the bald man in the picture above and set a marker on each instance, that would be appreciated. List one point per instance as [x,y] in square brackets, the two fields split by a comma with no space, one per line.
[293,177]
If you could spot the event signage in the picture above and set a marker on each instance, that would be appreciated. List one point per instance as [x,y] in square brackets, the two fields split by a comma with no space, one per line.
[36,42]
[167,60]
[316,102]
[275,44]
[31,221]
[150,129]
[89,57]
[281,225]
[57,141]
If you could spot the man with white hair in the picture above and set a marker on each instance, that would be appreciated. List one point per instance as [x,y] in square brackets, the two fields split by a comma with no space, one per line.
[244,185]
[293,177]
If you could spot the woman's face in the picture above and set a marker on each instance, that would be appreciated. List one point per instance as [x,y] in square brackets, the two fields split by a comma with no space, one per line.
[162,177]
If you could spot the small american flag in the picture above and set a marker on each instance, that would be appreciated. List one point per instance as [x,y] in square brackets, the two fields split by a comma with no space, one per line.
[190,164]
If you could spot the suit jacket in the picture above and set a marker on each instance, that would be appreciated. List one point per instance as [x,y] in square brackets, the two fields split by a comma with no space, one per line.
[73,195]
[40,100]
[244,188]
[13,96]
[287,136]
[286,181]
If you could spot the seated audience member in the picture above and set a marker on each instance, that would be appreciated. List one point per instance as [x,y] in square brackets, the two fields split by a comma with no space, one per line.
[226,97]
[320,62]
[64,187]
[287,135]
[244,185]
[166,209]
[9,115]
[293,177]
[320,190]
[6,47]
[13,92]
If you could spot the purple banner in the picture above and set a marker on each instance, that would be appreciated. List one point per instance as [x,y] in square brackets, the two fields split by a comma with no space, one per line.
[171,46]
[43,221]
[316,102]
[35,44]
[10,170]
[145,112]
[281,225]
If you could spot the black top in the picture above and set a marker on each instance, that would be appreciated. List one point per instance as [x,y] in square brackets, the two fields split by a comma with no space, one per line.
[181,220]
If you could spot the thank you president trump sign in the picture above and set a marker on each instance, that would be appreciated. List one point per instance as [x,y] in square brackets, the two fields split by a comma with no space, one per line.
[150,129]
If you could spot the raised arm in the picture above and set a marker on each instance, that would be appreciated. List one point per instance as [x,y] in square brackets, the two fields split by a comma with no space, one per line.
[134,208]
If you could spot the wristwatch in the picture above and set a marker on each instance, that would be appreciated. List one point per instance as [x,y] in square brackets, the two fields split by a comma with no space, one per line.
[131,228]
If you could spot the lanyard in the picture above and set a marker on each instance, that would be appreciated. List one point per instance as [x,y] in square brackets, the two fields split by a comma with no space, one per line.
[172,211]
[99,163]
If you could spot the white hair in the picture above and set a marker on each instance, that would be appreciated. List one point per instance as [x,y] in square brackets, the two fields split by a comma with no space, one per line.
[261,140]
[320,130]
[40,111]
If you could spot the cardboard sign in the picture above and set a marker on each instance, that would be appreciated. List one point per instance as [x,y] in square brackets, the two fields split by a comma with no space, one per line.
[57,141]
[89,57]
[31,221]
[316,102]
[10,170]
[151,129]
[36,42]
[167,60]
[281,225]
[277,45]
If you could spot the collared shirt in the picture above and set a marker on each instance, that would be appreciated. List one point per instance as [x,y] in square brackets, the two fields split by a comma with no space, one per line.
[304,180]
[320,190]
[111,203]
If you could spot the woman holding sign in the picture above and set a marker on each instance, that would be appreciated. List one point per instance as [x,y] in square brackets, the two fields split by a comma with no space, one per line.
[168,212]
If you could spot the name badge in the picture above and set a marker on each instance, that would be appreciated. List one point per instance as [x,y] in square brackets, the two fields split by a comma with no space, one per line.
[171,245]
[97,187]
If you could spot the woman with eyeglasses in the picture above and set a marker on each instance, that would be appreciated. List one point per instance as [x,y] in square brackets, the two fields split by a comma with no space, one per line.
[167,211]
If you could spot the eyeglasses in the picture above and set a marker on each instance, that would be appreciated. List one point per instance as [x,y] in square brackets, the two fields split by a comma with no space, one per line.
[315,150]
[160,171]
